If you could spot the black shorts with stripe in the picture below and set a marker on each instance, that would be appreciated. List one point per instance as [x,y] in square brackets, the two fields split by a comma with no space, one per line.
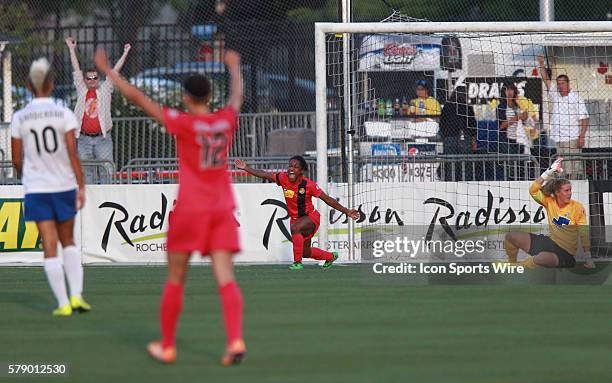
[540,243]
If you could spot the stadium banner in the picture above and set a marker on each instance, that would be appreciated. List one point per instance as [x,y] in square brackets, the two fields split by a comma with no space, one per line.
[128,223]
[442,211]
[20,241]
[400,53]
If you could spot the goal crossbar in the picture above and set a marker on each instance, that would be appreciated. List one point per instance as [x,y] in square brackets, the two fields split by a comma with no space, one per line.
[465,27]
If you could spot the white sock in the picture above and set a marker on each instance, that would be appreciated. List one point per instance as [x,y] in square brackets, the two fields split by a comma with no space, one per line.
[74,270]
[55,276]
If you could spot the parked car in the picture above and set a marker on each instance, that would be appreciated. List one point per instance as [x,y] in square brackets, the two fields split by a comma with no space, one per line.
[22,96]
[272,91]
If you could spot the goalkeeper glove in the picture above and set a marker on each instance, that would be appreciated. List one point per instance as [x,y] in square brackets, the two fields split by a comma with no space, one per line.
[554,168]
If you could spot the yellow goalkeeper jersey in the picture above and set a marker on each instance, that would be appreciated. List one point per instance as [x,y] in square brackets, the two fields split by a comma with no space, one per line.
[566,224]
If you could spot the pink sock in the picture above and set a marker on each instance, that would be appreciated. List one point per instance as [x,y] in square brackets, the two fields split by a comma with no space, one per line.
[170,310]
[231,300]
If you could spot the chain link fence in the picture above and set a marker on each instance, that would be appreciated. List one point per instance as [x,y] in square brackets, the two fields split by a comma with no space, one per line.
[171,39]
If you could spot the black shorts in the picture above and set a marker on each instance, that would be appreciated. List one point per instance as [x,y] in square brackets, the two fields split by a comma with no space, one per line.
[541,243]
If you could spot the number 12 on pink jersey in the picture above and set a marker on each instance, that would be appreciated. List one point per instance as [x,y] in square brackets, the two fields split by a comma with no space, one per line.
[213,150]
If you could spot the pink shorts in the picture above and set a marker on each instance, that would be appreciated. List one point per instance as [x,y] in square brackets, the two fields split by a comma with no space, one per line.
[204,232]
[315,217]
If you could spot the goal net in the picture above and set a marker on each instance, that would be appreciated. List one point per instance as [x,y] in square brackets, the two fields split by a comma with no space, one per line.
[445,127]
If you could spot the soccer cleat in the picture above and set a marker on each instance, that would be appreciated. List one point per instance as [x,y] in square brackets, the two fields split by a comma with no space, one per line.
[163,355]
[234,353]
[64,311]
[79,304]
[328,264]
[296,266]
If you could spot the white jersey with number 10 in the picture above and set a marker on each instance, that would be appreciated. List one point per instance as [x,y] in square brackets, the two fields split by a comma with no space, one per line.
[42,126]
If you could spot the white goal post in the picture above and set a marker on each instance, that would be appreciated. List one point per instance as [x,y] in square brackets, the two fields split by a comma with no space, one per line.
[593,29]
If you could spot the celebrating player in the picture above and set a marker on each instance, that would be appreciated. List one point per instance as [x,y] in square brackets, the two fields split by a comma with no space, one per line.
[43,134]
[299,191]
[567,223]
[203,217]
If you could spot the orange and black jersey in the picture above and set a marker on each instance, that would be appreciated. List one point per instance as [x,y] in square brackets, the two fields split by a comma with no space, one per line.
[298,195]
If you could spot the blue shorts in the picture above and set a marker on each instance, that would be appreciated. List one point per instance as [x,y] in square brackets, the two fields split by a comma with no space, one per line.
[57,207]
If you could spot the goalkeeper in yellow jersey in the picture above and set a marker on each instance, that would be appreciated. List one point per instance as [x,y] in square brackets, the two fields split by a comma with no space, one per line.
[567,223]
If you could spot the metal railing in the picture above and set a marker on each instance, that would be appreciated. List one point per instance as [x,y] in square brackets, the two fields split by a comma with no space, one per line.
[590,166]
[165,170]
[146,153]
[452,168]
[142,137]
[271,164]
[101,172]
[148,171]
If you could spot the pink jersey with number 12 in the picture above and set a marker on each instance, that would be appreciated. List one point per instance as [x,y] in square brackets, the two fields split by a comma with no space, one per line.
[203,143]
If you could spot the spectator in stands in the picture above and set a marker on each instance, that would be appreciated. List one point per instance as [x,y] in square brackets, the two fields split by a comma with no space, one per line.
[458,132]
[513,130]
[510,117]
[530,124]
[569,120]
[424,104]
[93,111]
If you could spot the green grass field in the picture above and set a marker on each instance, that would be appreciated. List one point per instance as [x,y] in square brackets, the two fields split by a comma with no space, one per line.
[314,326]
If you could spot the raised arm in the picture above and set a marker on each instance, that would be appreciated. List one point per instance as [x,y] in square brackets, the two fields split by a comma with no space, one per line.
[129,91]
[232,62]
[550,172]
[75,163]
[257,173]
[73,57]
[121,61]
[354,214]
[543,71]
[535,190]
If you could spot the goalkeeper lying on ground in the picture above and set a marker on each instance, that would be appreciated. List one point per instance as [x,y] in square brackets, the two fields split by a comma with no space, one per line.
[567,222]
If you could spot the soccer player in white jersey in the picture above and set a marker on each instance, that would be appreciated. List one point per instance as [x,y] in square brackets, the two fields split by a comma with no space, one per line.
[44,152]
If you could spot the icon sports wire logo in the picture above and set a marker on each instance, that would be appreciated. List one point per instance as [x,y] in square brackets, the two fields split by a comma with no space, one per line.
[17,235]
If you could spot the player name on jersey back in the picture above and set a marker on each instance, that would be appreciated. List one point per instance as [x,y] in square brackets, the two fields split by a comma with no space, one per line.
[40,115]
